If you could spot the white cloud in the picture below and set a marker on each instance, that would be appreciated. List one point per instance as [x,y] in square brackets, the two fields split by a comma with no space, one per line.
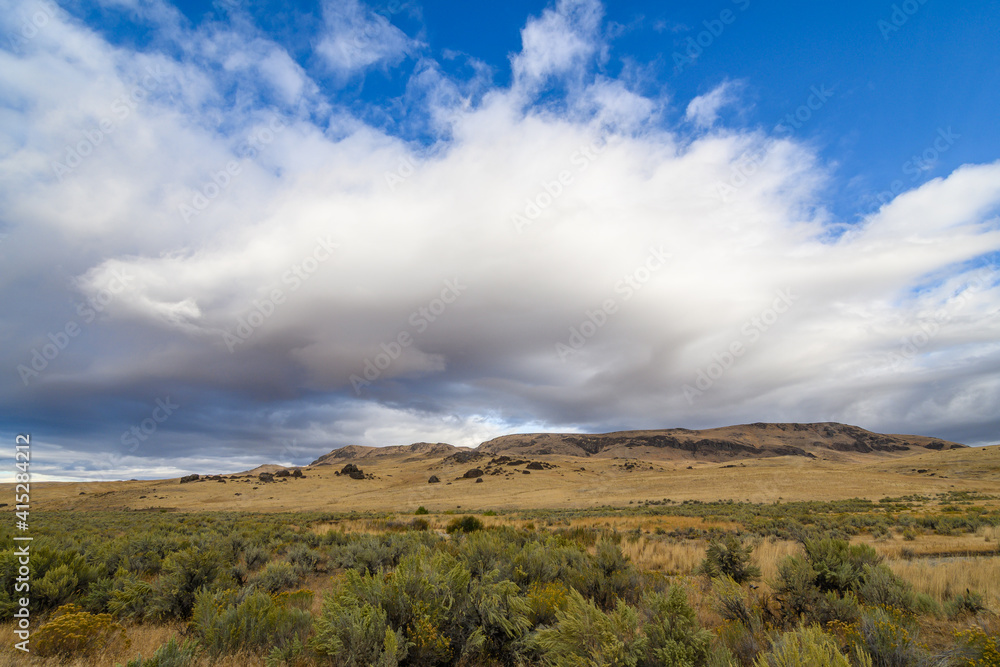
[558,43]
[601,184]
[703,110]
[357,38]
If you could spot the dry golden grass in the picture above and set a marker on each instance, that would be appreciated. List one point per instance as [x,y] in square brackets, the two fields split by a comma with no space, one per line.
[664,556]
[982,542]
[944,578]
[402,485]
[145,639]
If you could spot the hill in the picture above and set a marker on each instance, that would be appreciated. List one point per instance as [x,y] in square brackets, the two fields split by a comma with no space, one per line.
[419,449]
[825,440]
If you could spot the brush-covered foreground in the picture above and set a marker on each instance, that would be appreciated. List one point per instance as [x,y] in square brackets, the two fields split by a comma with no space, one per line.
[902,581]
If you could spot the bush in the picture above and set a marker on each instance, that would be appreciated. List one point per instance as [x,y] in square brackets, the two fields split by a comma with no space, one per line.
[584,635]
[356,635]
[276,577]
[545,601]
[839,565]
[233,621]
[672,630]
[886,636]
[796,586]
[730,558]
[304,559]
[129,598]
[805,647]
[421,510]
[976,646]
[969,602]
[466,524]
[255,557]
[879,587]
[74,633]
[184,574]
[926,605]
[170,654]
[662,631]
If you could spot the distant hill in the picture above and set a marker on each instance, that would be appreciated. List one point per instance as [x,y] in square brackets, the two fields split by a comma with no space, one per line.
[821,440]
[719,444]
[419,449]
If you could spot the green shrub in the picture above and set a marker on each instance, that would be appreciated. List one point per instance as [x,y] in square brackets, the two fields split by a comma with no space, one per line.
[57,586]
[466,524]
[839,565]
[805,647]
[887,636]
[969,602]
[184,574]
[276,577]
[926,605]
[584,635]
[169,654]
[796,586]
[740,643]
[672,630]
[880,587]
[232,621]
[606,577]
[439,611]
[730,558]
[421,510]
[255,557]
[305,560]
[355,633]
[130,598]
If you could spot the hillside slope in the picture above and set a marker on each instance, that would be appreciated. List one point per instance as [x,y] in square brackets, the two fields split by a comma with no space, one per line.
[826,440]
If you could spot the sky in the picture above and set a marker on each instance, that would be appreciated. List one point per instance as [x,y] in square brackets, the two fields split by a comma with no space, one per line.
[234,233]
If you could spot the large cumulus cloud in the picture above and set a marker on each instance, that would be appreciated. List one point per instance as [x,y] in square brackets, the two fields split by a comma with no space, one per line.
[223,233]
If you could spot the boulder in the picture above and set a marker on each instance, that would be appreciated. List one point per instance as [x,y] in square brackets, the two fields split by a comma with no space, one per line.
[433,479]
[535,465]
[190,478]
[265,477]
[352,471]
[479,481]
[472,474]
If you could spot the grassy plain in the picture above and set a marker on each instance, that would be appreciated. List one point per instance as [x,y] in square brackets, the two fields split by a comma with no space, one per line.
[933,519]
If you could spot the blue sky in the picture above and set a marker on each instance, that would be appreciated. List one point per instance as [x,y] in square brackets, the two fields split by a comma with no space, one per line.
[318,224]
